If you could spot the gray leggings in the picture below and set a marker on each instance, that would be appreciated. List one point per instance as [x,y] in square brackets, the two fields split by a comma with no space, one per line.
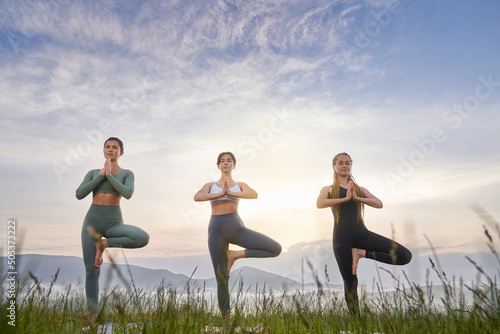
[107,221]
[226,229]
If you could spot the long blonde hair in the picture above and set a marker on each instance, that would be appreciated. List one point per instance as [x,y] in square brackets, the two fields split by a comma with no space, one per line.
[336,190]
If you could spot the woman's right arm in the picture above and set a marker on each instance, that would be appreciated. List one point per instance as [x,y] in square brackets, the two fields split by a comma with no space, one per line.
[204,193]
[88,184]
[324,202]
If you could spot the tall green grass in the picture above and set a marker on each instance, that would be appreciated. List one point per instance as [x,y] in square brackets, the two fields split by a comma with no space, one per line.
[410,308]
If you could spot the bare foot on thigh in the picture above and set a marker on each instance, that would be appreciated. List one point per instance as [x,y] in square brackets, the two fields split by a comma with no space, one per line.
[100,246]
[232,256]
[356,255]
[355,260]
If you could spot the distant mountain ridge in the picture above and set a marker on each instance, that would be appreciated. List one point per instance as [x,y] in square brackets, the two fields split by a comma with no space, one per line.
[72,271]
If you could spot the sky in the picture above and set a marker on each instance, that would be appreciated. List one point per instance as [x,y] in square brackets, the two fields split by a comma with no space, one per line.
[410,89]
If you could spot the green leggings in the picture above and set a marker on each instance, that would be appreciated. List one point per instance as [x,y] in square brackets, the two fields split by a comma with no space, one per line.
[107,221]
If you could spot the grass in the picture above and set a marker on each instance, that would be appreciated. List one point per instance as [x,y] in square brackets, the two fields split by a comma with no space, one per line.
[409,309]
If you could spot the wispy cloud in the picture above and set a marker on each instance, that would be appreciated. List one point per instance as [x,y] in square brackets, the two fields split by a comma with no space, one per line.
[285,85]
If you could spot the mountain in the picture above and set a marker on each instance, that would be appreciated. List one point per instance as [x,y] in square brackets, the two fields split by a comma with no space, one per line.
[305,261]
[72,271]
[255,278]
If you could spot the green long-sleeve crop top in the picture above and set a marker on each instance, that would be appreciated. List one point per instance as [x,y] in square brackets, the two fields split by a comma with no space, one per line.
[121,184]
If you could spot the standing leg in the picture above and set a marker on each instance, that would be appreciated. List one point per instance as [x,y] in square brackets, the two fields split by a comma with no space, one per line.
[91,271]
[217,247]
[343,254]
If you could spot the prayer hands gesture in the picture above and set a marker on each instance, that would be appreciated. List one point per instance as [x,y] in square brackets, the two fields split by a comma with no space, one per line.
[225,188]
[351,194]
[354,196]
[107,167]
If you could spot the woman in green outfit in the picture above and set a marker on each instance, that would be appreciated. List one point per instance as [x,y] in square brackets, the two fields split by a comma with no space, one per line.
[103,226]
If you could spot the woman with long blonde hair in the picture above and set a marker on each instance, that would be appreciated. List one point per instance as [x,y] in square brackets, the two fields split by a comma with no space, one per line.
[351,239]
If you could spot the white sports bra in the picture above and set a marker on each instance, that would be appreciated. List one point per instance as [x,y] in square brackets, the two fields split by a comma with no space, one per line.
[216,190]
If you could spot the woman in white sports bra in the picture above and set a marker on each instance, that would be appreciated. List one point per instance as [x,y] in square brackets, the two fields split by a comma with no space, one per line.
[226,227]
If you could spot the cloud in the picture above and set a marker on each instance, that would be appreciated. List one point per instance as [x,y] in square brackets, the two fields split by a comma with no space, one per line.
[285,85]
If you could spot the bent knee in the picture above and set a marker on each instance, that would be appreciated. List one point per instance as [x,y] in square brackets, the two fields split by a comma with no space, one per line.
[408,257]
[405,258]
[143,240]
[276,250]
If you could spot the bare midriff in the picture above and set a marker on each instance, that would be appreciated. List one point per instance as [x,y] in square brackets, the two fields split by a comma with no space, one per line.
[223,207]
[106,199]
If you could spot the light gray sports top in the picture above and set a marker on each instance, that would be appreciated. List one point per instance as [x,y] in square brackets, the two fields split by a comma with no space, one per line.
[216,190]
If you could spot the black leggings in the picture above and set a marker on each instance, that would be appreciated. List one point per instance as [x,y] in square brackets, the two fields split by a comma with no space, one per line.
[226,229]
[377,248]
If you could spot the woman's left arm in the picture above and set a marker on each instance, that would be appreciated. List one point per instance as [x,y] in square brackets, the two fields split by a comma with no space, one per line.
[368,199]
[246,192]
[127,188]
